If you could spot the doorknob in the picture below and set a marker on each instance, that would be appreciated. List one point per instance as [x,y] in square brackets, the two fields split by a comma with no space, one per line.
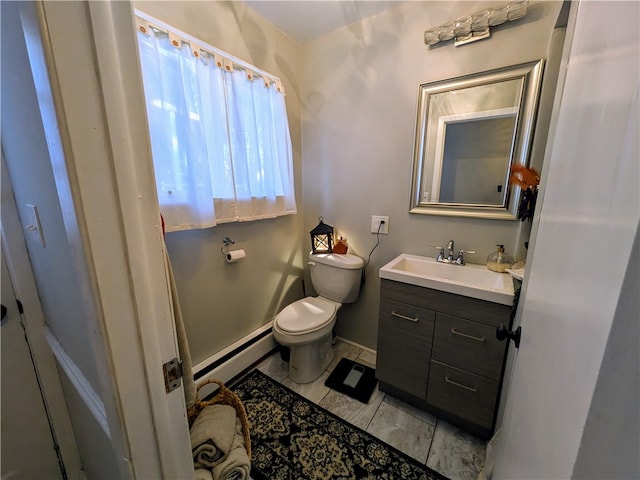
[502,333]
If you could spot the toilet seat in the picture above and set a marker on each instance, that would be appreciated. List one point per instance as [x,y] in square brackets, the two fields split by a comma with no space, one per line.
[306,315]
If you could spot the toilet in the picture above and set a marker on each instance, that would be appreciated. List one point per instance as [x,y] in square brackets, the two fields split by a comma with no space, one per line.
[306,325]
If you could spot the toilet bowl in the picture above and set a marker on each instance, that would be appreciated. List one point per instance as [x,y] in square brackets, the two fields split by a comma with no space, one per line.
[306,325]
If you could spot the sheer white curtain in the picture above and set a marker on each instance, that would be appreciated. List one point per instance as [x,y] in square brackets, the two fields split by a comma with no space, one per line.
[219,134]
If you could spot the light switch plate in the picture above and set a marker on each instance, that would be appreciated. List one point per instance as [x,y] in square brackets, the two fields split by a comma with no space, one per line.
[34,227]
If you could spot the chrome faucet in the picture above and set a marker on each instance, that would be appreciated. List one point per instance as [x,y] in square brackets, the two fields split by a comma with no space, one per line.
[458,260]
[450,249]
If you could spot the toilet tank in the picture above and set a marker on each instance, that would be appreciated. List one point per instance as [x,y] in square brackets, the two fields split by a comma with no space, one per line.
[336,276]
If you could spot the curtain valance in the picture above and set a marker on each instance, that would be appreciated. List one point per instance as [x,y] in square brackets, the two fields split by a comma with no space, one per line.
[204,51]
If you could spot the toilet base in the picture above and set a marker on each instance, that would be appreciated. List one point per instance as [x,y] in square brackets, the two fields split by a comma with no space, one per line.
[285,353]
[308,361]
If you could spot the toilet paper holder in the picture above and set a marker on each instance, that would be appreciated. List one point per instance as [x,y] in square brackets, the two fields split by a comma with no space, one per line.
[226,241]
[231,256]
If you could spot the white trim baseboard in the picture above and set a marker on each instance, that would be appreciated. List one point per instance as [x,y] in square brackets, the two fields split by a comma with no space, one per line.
[355,344]
[236,364]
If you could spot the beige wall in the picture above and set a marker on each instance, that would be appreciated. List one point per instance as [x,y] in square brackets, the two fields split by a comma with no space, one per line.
[351,96]
[220,302]
[359,94]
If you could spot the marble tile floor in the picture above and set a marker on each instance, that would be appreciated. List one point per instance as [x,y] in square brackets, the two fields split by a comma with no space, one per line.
[440,445]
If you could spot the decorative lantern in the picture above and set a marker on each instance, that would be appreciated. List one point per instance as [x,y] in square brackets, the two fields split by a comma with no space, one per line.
[322,238]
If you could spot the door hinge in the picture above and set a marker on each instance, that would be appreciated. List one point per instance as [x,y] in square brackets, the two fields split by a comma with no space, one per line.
[172,371]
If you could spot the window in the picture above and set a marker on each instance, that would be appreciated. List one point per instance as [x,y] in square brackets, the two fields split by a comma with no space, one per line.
[219,133]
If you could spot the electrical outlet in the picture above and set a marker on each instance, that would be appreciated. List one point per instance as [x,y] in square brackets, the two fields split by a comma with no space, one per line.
[376,220]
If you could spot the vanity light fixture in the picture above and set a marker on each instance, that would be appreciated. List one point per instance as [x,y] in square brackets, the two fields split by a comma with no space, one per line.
[472,28]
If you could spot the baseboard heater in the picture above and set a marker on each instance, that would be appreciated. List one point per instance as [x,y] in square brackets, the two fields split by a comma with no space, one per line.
[235,358]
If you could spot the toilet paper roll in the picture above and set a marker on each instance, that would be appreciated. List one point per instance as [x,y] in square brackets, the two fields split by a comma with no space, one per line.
[235,256]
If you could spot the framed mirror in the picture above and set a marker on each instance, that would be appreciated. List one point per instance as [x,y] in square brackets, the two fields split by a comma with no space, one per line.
[469,131]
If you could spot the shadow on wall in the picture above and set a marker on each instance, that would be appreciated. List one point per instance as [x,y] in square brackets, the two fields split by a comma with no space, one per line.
[222,302]
[252,34]
[296,290]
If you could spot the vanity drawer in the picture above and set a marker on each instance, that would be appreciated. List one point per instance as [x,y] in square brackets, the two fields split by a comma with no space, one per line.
[405,335]
[469,396]
[468,345]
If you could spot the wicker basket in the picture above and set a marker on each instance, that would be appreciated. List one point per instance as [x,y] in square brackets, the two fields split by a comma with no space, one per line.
[223,397]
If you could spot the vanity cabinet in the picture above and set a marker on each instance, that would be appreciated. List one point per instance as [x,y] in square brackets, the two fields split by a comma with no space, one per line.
[411,326]
[439,351]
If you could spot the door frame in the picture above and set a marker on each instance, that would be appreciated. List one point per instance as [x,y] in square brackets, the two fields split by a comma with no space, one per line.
[92,109]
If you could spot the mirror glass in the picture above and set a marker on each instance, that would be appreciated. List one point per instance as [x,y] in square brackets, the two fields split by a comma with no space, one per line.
[469,132]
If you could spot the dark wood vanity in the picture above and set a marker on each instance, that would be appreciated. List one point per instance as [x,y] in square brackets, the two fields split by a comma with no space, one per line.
[439,351]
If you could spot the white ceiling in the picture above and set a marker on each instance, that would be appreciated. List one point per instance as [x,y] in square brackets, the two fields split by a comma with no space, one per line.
[305,20]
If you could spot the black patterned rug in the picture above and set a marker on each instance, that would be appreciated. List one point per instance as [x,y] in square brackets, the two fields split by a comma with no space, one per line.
[294,439]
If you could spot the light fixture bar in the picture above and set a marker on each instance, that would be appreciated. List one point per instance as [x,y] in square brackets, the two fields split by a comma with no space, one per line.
[471,28]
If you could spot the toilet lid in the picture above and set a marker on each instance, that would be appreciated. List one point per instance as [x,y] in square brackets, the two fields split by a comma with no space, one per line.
[306,315]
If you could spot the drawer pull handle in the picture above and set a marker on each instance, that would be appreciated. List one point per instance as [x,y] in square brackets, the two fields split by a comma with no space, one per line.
[466,387]
[404,317]
[470,337]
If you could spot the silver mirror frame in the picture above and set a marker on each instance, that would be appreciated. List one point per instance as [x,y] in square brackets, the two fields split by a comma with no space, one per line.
[531,72]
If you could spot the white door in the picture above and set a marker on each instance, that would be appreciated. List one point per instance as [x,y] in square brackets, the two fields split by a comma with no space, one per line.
[15,258]
[109,348]
[25,426]
[587,224]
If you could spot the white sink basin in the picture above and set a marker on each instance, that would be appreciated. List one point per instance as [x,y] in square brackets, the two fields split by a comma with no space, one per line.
[470,280]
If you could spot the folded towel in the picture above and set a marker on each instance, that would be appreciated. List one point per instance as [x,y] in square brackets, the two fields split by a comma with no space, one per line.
[212,435]
[203,474]
[236,465]
[207,455]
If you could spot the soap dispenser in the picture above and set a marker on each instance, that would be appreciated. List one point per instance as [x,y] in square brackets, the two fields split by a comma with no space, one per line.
[498,261]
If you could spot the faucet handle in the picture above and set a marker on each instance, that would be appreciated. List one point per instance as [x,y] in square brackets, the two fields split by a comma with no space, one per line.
[440,257]
[460,259]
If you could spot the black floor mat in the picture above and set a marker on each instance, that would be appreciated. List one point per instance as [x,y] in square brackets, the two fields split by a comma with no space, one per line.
[363,388]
